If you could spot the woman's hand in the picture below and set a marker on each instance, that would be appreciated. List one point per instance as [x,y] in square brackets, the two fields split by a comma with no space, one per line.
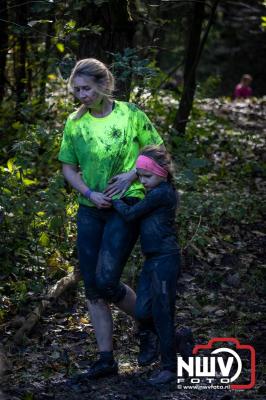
[119,184]
[100,200]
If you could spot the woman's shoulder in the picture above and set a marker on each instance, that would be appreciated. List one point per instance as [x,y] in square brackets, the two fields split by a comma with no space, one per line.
[131,107]
[73,116]
[73,120]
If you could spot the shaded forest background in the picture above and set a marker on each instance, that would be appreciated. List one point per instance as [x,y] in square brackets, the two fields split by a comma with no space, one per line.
[179,61]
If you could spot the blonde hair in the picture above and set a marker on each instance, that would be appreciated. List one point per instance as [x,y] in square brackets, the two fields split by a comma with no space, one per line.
[101,77]
[162,157]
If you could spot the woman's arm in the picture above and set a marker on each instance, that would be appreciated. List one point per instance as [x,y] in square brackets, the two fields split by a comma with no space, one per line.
[74,178]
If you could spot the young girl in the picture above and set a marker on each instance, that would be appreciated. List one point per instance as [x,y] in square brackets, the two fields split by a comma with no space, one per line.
[243,89]
[157,284]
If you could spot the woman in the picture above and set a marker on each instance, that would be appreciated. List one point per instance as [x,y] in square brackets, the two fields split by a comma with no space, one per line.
[99,149]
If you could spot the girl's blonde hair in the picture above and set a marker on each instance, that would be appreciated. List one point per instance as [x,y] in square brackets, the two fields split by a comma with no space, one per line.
[162,157]
[101,77]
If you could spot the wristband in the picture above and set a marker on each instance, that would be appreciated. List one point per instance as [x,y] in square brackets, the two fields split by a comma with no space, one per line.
[88,193]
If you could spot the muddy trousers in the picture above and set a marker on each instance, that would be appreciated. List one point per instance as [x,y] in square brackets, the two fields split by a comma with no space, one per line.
[155,305]
[104,242]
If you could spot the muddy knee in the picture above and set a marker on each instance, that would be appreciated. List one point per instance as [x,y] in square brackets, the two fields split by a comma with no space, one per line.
[111,291]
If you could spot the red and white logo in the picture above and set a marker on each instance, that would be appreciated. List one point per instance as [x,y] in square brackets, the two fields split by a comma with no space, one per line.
[222,364]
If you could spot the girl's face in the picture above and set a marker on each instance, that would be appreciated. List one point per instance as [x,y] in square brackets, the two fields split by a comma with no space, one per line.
[85,92]
[148,179]
[246,81]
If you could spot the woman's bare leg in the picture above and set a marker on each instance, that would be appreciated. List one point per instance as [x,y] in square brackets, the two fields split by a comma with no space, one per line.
[102,322]
[127,304]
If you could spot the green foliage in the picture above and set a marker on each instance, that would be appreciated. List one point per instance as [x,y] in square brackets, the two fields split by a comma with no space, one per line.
[263,22]
[210,87]
[36,211]
[130,65]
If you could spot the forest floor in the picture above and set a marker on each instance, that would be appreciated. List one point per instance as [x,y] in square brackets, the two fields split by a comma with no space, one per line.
[220,295]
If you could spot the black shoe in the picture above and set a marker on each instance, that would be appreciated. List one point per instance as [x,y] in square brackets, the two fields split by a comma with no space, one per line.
[162,377]
[184,342]
[148,348]
[102,368]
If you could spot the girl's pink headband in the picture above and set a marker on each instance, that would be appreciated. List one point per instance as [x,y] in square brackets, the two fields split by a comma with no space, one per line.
[149,164]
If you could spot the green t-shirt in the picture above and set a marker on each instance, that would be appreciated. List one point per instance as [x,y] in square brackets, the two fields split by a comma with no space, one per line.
[104,147]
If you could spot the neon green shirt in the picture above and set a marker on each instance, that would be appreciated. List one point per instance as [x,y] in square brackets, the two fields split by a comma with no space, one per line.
[104,147]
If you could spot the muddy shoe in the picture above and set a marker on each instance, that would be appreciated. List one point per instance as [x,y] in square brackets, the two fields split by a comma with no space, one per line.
[162,377]
[149,348]
[102,368]
[184,342]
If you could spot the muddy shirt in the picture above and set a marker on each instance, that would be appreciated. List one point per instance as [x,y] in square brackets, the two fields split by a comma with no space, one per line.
[104,147]
[157,215]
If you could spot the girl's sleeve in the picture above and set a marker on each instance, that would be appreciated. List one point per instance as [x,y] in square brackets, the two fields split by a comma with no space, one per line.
[67,152]
[146,132]
[152,201]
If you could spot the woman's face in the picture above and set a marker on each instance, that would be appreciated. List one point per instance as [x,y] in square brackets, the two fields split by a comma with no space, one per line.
[85,92]
[148,179]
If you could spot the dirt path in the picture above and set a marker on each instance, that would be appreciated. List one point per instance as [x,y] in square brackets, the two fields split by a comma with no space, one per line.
[63,344]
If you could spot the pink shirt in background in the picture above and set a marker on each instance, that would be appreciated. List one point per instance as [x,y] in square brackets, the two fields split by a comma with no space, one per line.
[242,91]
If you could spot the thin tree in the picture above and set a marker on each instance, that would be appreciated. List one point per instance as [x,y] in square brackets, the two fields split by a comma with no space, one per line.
[194,50]
[3,46]
[20,50]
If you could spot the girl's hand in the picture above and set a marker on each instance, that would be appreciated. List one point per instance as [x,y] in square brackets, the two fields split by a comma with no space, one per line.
[119,184]
[100,200]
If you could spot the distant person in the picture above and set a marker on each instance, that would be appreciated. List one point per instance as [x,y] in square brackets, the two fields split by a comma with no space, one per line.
[243,89]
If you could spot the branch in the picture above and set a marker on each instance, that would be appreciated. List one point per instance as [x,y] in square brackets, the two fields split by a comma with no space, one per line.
[53,293]
[194,235]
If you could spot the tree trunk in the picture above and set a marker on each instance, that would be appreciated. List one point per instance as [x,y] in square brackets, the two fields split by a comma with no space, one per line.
[190,67]
[20,53]
[3,46]
[193,54]
[44,64]
[118,29]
